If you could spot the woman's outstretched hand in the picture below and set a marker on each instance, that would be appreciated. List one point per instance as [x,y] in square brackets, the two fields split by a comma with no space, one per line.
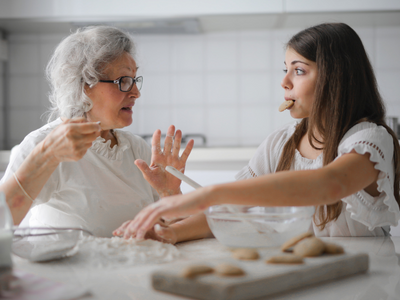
[159,232]
[165,183]
[169,207]
[70,140]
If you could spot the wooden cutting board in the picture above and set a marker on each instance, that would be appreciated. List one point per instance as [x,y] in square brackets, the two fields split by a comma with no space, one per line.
[261,279]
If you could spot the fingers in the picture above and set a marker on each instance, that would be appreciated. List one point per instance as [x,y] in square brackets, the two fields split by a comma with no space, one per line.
[75,120]
[121,229]
[169,139]
[155,143]
[172,143]
[70,140]
[173,206]
[142,165]
[86,128]
[83,126]
[81,140]
[165,233]
[177,143]
[145,226]
[158,232]
[149,214]
[187,151]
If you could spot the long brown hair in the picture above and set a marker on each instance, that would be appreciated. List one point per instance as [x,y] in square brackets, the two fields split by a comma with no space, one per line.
[346,94]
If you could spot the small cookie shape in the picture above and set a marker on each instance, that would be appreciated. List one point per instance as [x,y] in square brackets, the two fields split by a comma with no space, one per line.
[285,105]
[196,270]
[309,247]
[224,269]
[285,259]
[294,240]
[333,249]
[245,254]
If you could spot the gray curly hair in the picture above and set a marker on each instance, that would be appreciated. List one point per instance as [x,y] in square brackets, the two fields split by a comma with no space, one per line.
[78,60]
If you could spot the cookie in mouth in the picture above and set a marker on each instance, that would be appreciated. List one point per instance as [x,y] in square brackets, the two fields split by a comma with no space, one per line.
[285,105]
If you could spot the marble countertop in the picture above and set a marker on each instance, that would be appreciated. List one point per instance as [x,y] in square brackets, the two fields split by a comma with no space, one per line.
[382,281]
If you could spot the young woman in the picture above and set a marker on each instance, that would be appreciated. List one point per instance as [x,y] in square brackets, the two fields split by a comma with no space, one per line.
[340,157]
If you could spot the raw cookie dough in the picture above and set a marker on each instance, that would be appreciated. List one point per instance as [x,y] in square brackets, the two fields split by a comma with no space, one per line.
[309,247]
[285,259]
[286,105]
[333,249]
[294,240]
[195,270]
[245,254]
[228,270]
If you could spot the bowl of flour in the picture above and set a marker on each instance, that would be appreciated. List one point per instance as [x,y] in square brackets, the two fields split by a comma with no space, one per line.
[257,226]
[44,244]
[82,249]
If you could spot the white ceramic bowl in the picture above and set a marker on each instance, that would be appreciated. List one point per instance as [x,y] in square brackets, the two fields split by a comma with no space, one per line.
[256,226]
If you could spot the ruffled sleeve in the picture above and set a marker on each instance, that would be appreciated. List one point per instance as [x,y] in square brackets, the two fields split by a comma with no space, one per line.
[382,210]
[266,158]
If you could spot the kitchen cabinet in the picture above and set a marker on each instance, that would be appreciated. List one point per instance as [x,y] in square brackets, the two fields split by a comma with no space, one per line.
[103,10]
[75,10]
[307,6]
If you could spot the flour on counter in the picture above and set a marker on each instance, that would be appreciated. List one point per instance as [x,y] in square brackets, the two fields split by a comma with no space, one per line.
[117,252]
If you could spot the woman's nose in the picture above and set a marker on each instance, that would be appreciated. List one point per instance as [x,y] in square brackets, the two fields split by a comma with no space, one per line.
[285,83]
[135,91]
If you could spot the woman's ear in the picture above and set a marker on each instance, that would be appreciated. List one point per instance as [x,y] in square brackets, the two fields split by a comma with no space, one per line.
[88,89]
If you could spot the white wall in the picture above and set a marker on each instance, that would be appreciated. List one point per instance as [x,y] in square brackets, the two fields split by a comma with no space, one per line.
[2,91]
[225,85]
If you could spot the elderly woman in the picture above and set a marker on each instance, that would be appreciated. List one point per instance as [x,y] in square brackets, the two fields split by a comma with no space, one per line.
[93,75]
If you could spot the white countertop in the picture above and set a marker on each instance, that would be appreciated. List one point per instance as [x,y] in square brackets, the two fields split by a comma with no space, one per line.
[382,281]
[222,154]
[229,158]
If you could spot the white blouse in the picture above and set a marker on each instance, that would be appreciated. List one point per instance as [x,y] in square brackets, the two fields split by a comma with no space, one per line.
[98,192]
[362,214]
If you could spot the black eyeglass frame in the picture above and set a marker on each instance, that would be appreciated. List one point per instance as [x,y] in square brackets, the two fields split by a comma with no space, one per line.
[118,81]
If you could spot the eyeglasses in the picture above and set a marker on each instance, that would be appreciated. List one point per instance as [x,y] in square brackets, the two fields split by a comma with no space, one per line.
[125,83]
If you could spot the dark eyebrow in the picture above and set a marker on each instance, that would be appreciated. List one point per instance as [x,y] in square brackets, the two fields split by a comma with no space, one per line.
[296,61]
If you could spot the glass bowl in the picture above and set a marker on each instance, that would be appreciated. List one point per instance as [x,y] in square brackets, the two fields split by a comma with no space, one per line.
[257,226]
[44,244]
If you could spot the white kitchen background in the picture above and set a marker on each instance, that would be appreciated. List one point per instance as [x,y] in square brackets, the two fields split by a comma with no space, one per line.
[225,85]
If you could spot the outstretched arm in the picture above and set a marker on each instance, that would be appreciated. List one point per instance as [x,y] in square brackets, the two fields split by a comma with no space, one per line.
[67,142]
[345,176]
[191,228]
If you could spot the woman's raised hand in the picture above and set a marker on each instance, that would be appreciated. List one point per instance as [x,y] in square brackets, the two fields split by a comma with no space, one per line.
[70,140]
[165,183]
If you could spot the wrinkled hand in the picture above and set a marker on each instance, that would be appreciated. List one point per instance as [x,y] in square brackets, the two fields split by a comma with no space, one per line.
[169,207]
[70,140]
[165,183]
[159,232]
